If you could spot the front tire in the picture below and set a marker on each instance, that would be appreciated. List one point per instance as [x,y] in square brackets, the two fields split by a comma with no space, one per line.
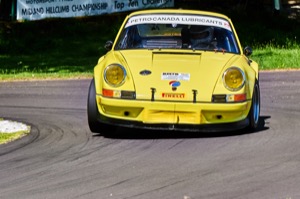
[254,113]
[94,121]
[92,110]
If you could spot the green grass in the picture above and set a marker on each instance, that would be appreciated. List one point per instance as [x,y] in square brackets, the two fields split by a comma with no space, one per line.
[8,137]
[275,39]
[53,48]
[272,57]
[277,58]
[45,66]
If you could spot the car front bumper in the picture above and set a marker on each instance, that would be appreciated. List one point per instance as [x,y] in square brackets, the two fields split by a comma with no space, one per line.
[183,116]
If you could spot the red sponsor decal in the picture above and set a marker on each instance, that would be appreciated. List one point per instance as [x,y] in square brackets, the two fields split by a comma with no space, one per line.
[173,95]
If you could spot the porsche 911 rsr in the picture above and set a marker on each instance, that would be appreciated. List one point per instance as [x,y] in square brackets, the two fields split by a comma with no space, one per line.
[175,70]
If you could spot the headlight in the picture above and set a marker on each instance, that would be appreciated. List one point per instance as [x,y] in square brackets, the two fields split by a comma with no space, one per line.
[114,75]
[234,79]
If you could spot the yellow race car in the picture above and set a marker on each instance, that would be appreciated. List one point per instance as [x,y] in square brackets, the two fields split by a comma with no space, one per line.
[174,69]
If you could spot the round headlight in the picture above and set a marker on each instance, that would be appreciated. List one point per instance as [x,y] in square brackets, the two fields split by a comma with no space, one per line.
[114,75]
[234,79]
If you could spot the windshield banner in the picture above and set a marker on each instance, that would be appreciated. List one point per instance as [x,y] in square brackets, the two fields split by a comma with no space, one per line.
[178,19]
[40,9]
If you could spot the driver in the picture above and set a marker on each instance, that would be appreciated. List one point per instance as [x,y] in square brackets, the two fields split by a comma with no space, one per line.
[201,36]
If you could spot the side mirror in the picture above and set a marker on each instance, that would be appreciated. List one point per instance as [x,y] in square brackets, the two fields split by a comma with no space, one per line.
[248,51]
[108,45]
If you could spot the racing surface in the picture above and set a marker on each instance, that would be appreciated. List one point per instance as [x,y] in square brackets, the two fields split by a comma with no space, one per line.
[61,158]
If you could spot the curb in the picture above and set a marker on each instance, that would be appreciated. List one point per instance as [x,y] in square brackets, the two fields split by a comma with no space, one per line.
[8,126]
[31,135]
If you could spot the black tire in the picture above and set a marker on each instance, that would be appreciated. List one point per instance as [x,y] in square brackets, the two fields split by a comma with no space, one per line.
[94,121]
[92,110]
[254,112]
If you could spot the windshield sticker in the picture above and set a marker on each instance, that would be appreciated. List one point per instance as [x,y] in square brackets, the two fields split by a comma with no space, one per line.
[178,19]
[175,76]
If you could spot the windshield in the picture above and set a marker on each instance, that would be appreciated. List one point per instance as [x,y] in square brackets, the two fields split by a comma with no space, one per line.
[177,32]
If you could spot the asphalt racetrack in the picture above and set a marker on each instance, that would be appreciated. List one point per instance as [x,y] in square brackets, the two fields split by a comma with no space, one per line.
[61,158]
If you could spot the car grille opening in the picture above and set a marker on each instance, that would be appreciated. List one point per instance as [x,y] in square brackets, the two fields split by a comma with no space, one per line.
[219,98]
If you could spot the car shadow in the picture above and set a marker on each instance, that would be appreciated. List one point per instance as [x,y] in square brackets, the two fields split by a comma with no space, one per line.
[129,133]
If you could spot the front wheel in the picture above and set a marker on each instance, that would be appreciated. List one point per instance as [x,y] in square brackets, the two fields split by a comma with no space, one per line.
[94,121]
[254,113]
[92,110]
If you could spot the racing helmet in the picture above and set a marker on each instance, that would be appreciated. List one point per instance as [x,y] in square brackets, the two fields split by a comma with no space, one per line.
[201,35]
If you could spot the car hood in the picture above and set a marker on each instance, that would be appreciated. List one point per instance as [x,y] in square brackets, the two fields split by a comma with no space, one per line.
[174,76]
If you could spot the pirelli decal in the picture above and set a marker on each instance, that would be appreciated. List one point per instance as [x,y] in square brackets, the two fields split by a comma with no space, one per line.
[173,95]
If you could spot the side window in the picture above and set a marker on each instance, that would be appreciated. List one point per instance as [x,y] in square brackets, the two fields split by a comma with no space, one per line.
[122,43]
[225,40]
[233,44]
[129,39]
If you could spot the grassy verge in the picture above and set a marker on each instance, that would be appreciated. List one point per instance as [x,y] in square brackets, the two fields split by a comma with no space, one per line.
[9,137]
[42,66]
[272,57]
[277,59]
[54,48]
